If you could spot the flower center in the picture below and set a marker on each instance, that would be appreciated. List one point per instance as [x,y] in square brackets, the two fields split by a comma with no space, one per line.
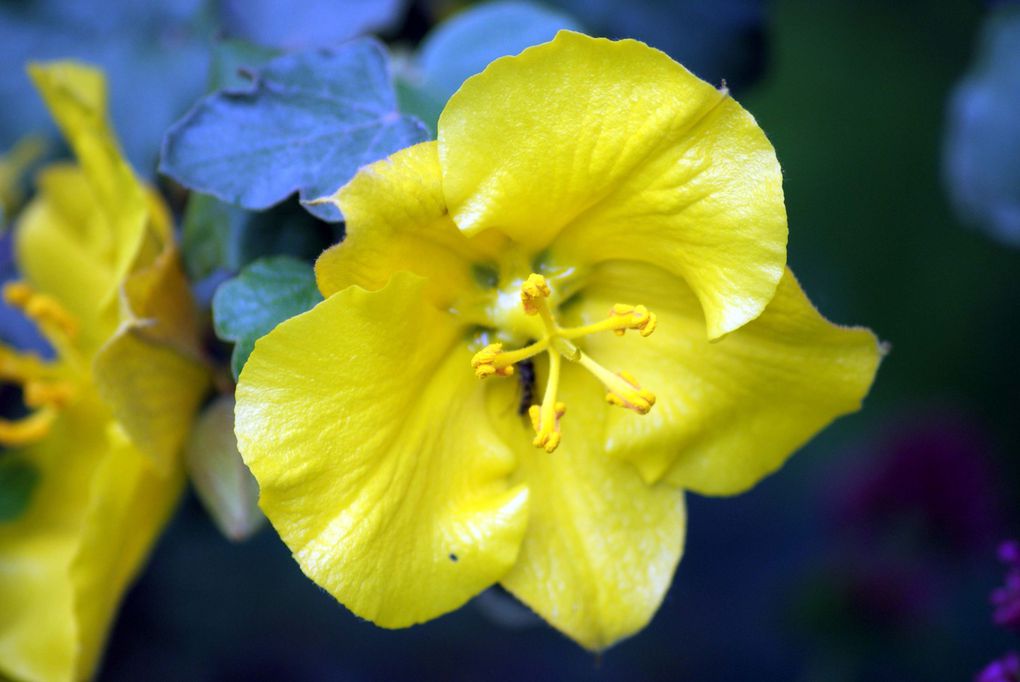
[623,389]
[45,391]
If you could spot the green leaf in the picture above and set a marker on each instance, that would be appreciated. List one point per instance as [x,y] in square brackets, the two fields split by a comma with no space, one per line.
[464,45]
[217,235]
[307,123]
[18,479]
[221,480]
[284,230]
[211,228]
[266,292]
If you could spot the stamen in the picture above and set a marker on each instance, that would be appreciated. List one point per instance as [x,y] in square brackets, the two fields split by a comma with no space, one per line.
[492,360]
[621,318]
[546,419]
[55,394]
[19,368]
[534,293]
[53,320]
[624,390]
[28,430]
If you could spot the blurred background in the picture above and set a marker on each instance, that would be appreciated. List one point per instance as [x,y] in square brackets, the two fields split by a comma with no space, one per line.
[872,555]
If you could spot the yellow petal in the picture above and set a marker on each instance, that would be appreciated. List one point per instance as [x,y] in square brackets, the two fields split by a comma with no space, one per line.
[602,545]
[60,242]
[729,412]
[397,221]
[76,97]
[65,564]
[150,372]
[598,150]
[153,391]
[129,503]
[366,430]
[157,301]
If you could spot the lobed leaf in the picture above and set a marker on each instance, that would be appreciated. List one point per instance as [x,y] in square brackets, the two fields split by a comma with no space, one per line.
[307,123]
[266,292]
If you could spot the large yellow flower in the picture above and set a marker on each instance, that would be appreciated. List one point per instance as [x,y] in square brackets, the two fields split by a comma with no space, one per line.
[581,188]
[110,413]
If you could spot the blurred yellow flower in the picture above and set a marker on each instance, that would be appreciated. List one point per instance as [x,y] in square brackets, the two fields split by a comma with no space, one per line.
[109,414]
[582,187]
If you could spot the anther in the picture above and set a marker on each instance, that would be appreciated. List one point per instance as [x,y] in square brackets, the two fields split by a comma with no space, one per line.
[56,394]
[534,290]
[621,318]
[633,397]
[45,310]
[545,419]
[494,361]
[547,434]
[486,362]
[635,317]
[624,390]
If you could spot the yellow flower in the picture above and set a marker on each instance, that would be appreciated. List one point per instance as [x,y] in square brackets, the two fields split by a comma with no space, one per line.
[110,413]
[582,187]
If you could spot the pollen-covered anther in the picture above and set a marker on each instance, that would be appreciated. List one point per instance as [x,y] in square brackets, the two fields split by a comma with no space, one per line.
[636,317]
[489,361]
[547,434]
[56,394]
[533,292]
[494,361]
[45,310]
[629,394]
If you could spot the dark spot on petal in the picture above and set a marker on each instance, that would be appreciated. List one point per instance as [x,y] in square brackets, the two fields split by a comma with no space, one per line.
[453,557]
[486,275]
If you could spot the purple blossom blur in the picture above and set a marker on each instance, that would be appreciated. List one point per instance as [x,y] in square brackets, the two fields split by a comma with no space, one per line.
[1006,599]
[932,483]
[1006,669]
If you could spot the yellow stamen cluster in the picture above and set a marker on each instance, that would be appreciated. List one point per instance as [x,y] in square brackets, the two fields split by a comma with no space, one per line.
[43,390]
[623,388]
